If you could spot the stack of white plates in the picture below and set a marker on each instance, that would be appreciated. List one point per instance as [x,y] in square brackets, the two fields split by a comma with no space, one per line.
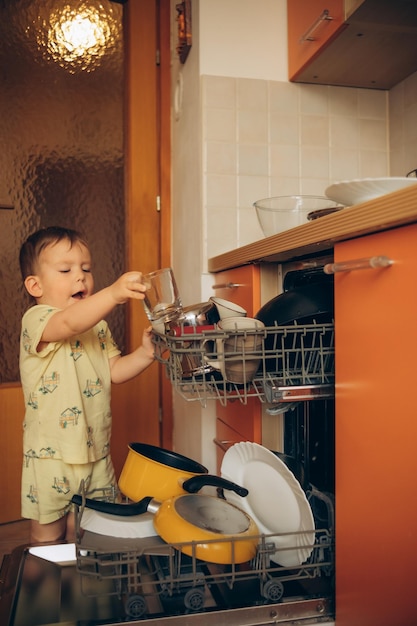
[276,501]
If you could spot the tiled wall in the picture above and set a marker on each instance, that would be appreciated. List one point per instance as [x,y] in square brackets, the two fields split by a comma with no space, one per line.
[403,126]
[264,138]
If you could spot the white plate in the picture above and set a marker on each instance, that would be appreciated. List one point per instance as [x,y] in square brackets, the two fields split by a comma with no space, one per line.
[134,526]
[276,501]
[350,192]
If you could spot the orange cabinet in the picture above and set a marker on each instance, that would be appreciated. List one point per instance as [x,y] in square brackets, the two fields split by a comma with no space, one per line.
[311,25]
[356,43]
[236,421]
[376,432]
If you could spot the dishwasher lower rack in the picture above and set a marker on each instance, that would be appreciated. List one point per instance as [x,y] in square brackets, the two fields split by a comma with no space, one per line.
[295,363]
[152,579]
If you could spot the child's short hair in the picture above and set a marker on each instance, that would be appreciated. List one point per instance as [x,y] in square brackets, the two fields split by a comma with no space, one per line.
[35,243]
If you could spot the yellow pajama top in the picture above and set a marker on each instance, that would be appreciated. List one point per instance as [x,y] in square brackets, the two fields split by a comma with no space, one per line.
[67,388]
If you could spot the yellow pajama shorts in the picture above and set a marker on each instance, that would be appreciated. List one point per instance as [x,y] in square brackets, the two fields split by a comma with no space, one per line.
[49,484]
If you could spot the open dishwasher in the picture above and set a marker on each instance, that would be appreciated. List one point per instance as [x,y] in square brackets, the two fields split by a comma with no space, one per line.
[151,579]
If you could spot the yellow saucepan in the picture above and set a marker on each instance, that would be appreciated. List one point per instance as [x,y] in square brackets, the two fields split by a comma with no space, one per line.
[199,525]
[149,469]
[208,528]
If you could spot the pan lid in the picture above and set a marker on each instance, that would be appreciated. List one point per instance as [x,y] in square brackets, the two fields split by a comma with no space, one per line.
[212,514]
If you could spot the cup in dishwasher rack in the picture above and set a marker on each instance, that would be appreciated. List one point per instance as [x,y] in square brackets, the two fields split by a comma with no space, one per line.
[239,352]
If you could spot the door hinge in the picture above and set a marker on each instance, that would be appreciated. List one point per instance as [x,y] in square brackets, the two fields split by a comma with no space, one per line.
[158,57]
[158,203]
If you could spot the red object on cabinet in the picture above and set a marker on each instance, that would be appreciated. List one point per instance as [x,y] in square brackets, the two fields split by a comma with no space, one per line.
[376,433]
[236,421]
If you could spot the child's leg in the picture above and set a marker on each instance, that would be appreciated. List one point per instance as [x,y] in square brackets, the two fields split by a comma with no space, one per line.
[70,530]
[48,533]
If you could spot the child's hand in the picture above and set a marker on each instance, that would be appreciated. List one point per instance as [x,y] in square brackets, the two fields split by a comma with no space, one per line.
[147,343]
[129,285]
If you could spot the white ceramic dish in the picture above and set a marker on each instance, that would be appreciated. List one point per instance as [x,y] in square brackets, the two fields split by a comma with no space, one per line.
[275,501]
[349,192]
[135,526]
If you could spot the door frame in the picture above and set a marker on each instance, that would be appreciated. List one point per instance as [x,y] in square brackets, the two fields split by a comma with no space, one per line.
[142,408]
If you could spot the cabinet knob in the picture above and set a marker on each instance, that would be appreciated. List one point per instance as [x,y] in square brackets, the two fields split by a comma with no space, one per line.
[373,262]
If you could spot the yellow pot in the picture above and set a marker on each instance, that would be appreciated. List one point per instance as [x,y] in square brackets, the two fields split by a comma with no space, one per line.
[207,528]
[152,471]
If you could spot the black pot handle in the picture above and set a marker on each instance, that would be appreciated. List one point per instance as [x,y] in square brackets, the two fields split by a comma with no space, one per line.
[195,483]
[124,510]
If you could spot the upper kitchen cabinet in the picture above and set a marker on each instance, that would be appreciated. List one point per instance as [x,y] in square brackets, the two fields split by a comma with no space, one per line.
[352,43]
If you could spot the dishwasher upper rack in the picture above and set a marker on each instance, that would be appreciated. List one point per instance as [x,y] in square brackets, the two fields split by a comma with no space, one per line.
[296,363]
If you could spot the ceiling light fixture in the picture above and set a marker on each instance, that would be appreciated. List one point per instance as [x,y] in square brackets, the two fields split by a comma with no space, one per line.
[77,35]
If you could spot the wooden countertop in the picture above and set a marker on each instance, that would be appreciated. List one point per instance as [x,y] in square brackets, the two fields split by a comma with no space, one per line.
[316,237]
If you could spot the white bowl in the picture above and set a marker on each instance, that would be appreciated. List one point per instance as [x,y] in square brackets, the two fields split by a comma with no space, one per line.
[281,213]
[350,192]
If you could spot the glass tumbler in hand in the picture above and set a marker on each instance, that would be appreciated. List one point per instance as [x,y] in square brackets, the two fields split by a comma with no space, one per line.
[162,301]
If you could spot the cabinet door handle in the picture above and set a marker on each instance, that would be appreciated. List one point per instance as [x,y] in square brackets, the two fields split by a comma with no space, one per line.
[309,34]
[373,262]
[227,286]
[224,444]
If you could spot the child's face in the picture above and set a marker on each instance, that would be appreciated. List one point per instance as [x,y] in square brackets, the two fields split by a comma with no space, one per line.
[64,274]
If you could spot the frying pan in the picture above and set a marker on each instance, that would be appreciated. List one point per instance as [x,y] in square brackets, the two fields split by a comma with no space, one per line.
[304,304]
[301,304]
[150,469]
[196,524]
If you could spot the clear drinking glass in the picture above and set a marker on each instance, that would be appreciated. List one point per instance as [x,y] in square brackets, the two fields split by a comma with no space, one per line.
[162,301]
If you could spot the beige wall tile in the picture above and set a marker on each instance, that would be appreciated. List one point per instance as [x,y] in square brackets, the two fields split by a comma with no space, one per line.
[284,128]
[402,101]
[285,186]
[344,132]
[284,161]
[314,130]
[219,125]
[344,164]
[265,138]
[410,91]
[220,190]
[372,103]
[253,159]
[343,101]
[221,230]
[284,98]
[248,226]
[252,188]
[373,134]
[219,92]
[220,157]
[373,163]
[314,163]
[314,100]
[252,126]
[252,94]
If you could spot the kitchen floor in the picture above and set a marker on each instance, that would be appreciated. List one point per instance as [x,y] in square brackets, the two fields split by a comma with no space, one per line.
[12,535]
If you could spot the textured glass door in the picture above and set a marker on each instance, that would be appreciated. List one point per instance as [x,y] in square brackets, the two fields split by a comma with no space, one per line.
[61,138]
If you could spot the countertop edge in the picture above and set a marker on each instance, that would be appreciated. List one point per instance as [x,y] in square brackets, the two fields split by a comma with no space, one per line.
[389,211]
